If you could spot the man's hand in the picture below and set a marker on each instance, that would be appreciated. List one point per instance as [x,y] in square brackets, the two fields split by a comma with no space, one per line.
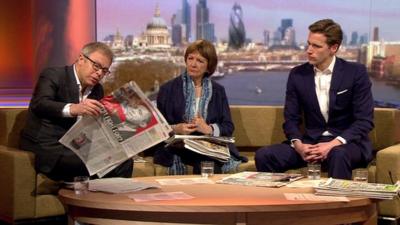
[202,126]
[305,150]
[88,106]
[321,150]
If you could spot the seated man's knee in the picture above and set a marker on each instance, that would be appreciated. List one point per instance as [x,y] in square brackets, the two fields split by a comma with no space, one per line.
[261,154]
[338,153]
[262,158]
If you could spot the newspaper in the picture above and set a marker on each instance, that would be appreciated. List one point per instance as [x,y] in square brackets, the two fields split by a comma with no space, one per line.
[162,196]
[179,138]
[119,185]
[214,147]
[261,179]
[219,152]
[184,181]
[128,124]
[350,188]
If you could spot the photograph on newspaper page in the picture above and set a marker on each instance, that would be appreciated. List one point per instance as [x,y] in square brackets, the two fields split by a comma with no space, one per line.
[139,123]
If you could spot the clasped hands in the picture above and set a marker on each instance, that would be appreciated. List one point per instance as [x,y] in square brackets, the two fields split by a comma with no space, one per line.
[315,152]
[88,106]
[196,124]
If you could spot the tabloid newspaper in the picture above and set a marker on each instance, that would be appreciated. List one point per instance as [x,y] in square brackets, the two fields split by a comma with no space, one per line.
[350,188]
[214,147]
[128,124]
[260,179]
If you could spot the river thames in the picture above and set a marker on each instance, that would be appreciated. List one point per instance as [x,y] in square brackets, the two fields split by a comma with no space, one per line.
[268,88]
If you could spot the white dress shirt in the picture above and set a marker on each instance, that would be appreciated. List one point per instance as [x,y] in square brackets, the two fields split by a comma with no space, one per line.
[82,96]
[322,86]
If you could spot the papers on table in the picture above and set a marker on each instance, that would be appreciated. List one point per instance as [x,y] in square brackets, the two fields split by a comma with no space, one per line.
[119,185]
[179,195]
[185,181]
[338,187]
[304,183]
[260,179]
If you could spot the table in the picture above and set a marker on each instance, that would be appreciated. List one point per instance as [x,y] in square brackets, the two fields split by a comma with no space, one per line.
[217,204]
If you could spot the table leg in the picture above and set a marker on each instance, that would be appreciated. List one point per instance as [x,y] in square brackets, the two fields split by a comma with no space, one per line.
[241,219]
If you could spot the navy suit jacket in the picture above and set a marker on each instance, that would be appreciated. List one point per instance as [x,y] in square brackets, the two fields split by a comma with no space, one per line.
[350,105]
[45,124]
[171,103]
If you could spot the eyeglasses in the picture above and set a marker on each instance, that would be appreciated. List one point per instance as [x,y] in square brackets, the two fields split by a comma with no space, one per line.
[97,66]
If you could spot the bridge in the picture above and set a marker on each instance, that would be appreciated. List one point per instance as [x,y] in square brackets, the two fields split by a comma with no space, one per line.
[241,65]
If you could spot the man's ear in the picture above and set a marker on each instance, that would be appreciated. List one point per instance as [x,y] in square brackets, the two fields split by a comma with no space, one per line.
[334,48]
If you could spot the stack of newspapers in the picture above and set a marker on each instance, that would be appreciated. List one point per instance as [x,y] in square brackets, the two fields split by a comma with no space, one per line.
[214,147]
[350,188]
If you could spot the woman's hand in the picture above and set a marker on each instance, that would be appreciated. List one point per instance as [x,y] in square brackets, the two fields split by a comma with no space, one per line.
[202,126]
[184,128]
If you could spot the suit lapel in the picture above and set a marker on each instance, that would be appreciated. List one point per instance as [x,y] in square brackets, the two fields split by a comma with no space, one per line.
[179,100]
[309,85]
[72,83]
[337,77]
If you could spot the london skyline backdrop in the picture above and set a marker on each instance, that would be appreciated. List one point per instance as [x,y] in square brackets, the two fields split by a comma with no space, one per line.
[131,16]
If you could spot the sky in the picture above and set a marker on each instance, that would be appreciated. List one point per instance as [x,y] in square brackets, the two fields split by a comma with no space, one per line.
[132,16]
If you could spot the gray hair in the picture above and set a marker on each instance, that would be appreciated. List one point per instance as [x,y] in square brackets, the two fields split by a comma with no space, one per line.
[98,46]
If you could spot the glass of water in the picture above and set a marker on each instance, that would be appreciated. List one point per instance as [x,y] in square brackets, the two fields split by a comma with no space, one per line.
[314,171]
[81,185]
[360,175]
[207,169]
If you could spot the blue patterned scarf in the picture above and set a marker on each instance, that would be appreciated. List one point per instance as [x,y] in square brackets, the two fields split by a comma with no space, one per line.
[190,97]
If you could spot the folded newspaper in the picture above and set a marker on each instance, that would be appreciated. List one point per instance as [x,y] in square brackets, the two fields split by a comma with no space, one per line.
[214,147]
[119,185]
[261,179]
[129,123]
[179,138]
[217,151]
[350,188]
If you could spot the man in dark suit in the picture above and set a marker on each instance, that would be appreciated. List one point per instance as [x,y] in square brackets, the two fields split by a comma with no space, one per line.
[334,98]
[61,96]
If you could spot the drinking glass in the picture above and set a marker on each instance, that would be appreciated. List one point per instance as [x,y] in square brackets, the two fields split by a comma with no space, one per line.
[314,171]
[81,185]
[360,175]
[207,169]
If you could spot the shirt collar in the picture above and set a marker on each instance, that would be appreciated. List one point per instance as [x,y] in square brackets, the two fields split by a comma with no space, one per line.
[78,82]
[76,77]
[328,70]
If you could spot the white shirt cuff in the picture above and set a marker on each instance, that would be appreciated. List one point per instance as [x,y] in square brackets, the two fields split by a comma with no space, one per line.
[292,142]
[216,131]
[341,140]
[66,110]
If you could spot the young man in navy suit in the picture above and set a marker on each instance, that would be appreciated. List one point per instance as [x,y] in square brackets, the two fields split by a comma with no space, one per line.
[61,96]
[333,97]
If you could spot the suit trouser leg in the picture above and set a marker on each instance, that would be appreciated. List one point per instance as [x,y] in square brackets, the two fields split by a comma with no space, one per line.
[277,158]
[70,165]
[343,159]
[125,169]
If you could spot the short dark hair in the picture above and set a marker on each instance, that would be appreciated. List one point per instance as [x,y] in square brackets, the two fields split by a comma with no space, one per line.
[207,50]
[91,47]
[332,31]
